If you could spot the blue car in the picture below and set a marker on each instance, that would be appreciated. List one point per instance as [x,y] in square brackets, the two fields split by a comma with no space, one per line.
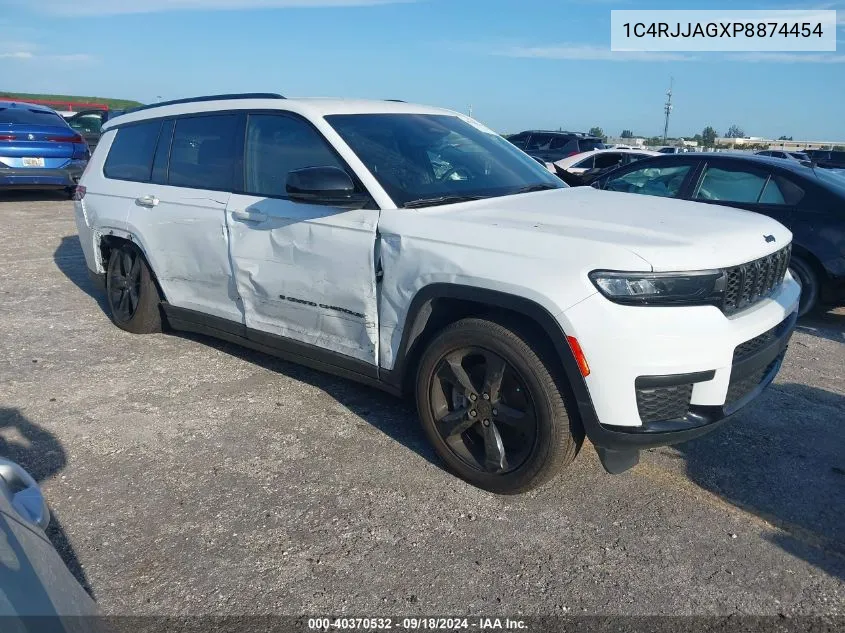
[38,149]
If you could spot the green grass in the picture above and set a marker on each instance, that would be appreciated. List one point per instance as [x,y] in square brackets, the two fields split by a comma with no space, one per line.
[115,104]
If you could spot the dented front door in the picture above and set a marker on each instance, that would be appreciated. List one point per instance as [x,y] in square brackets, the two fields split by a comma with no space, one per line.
[306,272]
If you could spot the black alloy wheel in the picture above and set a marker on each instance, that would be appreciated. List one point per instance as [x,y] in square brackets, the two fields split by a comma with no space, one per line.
[125,284]
[483,411]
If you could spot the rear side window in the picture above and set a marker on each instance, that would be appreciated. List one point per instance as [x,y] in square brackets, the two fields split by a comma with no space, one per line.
[277,145]
[202,153]
[732,186]
[30,117]
[587,163]
[131,154]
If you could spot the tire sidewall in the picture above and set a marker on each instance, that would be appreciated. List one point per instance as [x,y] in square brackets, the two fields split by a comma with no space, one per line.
[146,318]
[547,427]
[809,284]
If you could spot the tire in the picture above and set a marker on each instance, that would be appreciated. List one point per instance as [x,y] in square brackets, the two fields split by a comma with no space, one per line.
[806,276]
[507,439]
[131,292]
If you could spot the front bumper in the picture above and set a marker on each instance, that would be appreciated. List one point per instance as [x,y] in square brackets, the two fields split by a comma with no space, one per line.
[33,177]
[712,364]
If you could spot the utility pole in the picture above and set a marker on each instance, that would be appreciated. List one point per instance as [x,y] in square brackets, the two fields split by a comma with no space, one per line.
[668,109]
[470,110]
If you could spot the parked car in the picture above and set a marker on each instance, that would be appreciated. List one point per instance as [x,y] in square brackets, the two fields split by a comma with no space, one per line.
[89,124]
[827,158]
[776,153]
[672,150]
[554,146]
[810,202]
[602,159]
[38,149]
[37,591]
[413,249]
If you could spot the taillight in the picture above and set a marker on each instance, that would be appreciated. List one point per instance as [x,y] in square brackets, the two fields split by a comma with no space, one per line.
[7,137]
[79,192]
[65,139]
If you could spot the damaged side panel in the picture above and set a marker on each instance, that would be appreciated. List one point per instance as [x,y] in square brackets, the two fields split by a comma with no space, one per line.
[307,272]
[186,243]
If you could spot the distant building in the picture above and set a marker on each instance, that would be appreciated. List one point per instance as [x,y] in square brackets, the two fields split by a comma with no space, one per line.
[789,146]
[618,140]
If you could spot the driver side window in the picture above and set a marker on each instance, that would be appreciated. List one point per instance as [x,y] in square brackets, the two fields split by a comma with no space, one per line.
[651,181]
[277,145]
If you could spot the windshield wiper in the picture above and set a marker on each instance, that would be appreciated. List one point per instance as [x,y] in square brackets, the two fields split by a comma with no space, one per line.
[431,202]
[537,187]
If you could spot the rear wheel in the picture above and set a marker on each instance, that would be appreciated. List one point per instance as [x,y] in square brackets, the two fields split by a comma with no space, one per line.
[806,276]
[492,408]
[132,294]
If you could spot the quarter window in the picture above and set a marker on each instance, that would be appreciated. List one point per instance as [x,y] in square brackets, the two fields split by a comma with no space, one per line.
[131,153]
[202,155]
[651,181]
[277,145]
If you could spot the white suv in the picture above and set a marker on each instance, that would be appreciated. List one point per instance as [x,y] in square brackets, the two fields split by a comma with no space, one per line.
[414,249]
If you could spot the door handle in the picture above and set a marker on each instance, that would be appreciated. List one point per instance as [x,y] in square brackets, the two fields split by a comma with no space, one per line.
[249,216]
[147,201]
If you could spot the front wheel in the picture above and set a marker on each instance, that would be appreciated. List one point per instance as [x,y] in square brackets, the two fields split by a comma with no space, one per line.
[492,408]
[132,294]
[803,273]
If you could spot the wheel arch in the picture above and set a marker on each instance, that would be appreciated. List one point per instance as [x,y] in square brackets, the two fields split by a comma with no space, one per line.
[115,239]
[437,305]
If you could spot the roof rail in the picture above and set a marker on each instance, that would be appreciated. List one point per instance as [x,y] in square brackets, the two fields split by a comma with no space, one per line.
[224,97]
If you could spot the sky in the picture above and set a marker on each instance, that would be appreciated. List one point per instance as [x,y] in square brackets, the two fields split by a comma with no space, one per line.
[520,64]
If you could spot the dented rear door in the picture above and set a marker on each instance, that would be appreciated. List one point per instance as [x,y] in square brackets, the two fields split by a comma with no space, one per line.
[303,272]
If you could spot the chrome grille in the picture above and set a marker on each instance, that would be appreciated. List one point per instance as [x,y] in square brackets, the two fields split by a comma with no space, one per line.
[748,283]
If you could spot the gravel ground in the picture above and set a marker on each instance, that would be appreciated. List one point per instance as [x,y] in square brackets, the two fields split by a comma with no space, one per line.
[189,476]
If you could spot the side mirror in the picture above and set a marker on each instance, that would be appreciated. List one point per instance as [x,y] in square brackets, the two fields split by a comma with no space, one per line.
[329,186]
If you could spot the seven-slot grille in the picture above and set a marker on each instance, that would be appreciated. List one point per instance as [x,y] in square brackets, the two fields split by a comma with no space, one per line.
[748,283]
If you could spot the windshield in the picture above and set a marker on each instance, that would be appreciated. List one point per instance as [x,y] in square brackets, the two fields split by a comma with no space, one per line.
[439,158]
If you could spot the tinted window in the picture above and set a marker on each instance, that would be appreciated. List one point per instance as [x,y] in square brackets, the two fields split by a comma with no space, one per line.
[519,139]
[539,142]
[421,157]
[559,142]
[587,144]
[651,181]
[30,117]
[587,163]
[202,154]
[163,152]
[277,145]
[131,153]
[731,185]
[87,123]
[608,160]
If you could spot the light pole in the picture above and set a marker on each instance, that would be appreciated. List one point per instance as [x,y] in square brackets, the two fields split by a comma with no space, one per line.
[668,109]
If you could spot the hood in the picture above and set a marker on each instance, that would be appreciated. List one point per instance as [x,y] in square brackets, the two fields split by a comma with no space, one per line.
[669,234]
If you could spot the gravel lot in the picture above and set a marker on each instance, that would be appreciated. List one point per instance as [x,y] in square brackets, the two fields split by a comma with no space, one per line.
[189,476]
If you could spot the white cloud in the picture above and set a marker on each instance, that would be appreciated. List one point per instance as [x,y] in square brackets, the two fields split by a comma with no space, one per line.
[30,56]
[790,58]
[111,7]
[584,52]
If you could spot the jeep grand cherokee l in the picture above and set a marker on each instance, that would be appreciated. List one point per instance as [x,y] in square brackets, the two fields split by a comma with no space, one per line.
[413,249]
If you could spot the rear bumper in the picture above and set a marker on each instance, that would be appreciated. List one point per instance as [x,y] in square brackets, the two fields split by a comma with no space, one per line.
[33,177]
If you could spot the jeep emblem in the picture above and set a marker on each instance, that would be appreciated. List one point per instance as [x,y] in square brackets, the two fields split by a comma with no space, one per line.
[769,239]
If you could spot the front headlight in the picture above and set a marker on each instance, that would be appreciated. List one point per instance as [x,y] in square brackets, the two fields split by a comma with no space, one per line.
[683,288]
